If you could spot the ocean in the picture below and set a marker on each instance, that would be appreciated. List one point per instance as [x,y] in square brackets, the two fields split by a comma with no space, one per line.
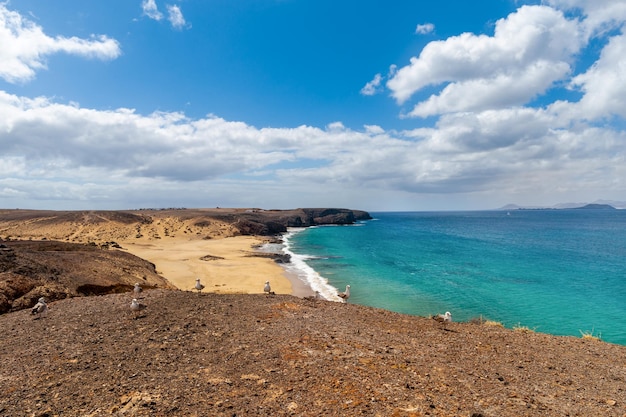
[561,272]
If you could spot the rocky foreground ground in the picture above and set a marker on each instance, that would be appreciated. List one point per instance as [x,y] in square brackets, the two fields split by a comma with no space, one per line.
[190,354]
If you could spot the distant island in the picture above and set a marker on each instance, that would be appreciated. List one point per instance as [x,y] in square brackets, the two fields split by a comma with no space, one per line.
[596,205]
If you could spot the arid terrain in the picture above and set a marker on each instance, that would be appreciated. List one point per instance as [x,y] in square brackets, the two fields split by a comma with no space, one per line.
[144,225]
[60,254]
[190,354]
[221,354]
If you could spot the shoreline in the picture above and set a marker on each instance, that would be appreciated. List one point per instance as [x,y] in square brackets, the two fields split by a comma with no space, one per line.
[218,245]
[299,288]
[225,265]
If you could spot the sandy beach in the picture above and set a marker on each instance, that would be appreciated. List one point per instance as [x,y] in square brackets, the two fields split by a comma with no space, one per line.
[219,246]
[223,265]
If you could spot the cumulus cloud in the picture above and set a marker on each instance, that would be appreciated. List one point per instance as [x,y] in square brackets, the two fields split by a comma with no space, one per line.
[24,47]
[531,51]
[604,84]
[374,129]
[424,29]
[151,10]
[501,90]
[599,15]
[57,151]
[535,45]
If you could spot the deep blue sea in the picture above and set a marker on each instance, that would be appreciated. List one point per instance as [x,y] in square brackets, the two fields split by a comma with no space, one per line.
[561,272]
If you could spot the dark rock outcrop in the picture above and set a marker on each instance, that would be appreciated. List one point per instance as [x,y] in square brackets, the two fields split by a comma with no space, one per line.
[272,222]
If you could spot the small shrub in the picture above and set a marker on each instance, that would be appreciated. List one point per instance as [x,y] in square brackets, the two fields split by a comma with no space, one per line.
[523,329]
[589,335]
[485,322]
[477,320]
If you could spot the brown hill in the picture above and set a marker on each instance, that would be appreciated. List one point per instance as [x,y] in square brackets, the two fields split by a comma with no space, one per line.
[114,226]
[59,254]
[56,270]
[191,354]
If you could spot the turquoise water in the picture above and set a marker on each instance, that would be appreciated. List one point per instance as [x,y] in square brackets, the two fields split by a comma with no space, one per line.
[554,271]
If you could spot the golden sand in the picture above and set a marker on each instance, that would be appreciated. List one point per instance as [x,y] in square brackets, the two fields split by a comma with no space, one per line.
[223,265]
[182,248]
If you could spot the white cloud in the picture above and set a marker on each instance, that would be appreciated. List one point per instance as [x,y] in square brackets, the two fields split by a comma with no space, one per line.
[62,153]
[373,86]
[501,90]
[175,17]
[484,146]
[24,47]
[374,129]
[151,10]
[535,45]
[174,14]
[424,29]
[599,15]
[604,84]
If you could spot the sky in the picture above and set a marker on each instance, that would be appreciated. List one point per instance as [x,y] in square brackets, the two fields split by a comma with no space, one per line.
[365,104]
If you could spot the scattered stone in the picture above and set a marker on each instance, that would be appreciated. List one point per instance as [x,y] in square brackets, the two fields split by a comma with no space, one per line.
[206,356]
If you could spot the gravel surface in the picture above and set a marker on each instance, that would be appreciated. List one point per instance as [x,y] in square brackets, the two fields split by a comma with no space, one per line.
[190,354]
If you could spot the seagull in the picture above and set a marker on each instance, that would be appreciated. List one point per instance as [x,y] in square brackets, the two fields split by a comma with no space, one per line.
[316,296]
[136,306]
[345,295]
[198,286]
[41,308]
[445,318]
[267,289]
[137,290]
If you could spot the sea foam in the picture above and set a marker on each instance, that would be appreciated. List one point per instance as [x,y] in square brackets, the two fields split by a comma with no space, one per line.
[303,271]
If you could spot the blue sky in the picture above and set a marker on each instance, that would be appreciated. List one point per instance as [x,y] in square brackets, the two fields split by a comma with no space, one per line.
[402,105]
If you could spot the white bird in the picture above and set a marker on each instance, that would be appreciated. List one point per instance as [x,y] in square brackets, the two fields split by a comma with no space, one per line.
[198,286]
[446,318]
[136,306]
[41,308]
[314,297]
[267,289]
[345,295]
[137,290]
